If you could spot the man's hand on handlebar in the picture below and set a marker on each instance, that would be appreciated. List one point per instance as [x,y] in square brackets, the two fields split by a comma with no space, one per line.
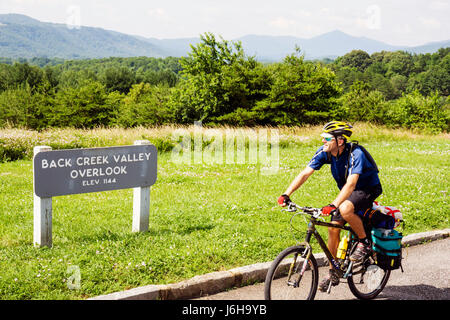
[284,200]
[329,209]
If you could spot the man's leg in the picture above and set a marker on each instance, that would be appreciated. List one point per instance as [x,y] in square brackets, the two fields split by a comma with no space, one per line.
[347,210]
[333,243]
[334,238]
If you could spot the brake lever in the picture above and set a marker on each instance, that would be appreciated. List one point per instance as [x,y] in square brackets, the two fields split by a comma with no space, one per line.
[317,214]
[291,207]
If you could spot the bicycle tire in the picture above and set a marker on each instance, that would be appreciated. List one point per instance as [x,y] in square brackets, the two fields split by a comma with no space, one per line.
[277,288]
[379,284]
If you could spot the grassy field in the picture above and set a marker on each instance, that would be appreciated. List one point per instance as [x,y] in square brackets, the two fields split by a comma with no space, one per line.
[203,217]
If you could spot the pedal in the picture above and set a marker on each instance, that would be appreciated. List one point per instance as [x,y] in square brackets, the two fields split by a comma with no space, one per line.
[291,283]
[329,287]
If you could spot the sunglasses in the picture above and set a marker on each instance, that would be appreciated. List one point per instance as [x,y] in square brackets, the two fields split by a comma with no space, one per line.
[327,138]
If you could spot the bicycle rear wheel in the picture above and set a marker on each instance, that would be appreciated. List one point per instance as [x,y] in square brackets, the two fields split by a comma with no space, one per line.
[291,276]
[368,282]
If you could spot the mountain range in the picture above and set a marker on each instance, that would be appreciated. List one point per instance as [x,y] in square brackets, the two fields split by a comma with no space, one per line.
[24,37]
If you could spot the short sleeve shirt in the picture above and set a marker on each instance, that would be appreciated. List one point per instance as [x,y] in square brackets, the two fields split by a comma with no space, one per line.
[357,163]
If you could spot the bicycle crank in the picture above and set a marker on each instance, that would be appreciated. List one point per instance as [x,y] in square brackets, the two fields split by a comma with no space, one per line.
[329,287]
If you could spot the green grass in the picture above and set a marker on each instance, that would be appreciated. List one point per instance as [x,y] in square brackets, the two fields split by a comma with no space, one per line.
[203,218]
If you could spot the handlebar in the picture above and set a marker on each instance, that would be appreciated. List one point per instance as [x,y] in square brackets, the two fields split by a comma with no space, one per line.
[315,212]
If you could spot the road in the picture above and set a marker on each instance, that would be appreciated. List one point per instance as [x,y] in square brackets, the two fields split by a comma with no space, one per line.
[426,276]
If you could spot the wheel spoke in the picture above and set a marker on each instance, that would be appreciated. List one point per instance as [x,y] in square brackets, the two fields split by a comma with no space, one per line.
[292,277]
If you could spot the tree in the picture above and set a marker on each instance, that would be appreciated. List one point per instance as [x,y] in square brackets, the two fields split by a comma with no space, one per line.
[144,105]
[415,111]
[24,73]
[382,84]
[358,59]
[20,74]
[74,78]
[118,79]
[82,107]
[164,77]
[13,104]
[398,62]
[346,76]
[302,92]
[217,79]
[363,104]
[399,85]
[24,107]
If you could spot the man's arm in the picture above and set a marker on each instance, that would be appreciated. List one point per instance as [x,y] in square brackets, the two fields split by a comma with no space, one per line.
[299,180]
[346,190]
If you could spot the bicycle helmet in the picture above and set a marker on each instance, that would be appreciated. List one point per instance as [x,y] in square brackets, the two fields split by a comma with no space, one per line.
[338,128]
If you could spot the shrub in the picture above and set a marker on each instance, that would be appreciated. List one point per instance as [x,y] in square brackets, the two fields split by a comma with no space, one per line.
[83,107]
[219,84]
[301,93]
[414,111]
[362,104]
[145,105]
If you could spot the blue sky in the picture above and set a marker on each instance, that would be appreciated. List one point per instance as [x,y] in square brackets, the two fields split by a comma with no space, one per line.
[397,22]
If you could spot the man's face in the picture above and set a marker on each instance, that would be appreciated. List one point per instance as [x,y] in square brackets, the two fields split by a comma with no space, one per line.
[329,142]
[328,146]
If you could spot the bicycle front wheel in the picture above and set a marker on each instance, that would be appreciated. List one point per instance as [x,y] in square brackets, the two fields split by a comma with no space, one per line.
[291,276]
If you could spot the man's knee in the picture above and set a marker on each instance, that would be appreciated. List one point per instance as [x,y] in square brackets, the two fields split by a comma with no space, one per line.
[346,209]
[334,232]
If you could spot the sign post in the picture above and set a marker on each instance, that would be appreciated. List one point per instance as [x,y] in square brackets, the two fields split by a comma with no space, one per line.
[74,171]
[42,215]
[141,203]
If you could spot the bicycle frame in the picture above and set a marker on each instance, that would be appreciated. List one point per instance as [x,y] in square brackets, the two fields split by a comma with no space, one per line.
[313,231]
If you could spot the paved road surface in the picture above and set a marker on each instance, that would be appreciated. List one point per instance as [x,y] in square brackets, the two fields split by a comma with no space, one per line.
[426,277]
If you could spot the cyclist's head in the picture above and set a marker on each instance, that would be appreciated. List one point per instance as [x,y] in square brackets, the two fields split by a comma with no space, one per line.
[337,129]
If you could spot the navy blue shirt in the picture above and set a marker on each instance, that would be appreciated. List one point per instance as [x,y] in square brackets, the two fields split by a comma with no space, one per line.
[357,163]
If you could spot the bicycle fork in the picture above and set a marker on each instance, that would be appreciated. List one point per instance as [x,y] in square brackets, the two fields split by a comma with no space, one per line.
[294,268]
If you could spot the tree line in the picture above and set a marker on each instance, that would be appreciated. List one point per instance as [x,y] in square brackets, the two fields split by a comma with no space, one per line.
[219,84]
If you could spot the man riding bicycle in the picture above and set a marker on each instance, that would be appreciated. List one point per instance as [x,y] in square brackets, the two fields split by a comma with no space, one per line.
[357,179]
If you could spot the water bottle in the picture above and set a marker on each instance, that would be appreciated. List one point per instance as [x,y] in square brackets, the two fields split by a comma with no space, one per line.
[342,248]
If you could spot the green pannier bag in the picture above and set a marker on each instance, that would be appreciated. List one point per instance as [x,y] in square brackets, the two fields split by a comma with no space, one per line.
[387,244]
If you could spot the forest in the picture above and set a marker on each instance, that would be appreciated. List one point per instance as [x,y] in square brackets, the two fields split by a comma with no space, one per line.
[218,84]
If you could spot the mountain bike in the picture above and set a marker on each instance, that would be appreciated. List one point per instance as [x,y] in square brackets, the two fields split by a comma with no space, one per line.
[294,274]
